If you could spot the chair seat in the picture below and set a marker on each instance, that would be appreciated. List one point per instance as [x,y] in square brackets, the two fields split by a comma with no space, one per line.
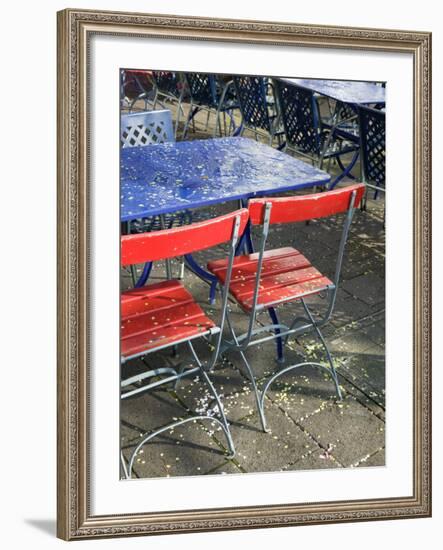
[158,315]
[286,276]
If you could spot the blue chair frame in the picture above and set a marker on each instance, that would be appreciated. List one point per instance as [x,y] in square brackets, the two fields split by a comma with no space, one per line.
[372,126]
[307,135]
[258,107]
[207,92]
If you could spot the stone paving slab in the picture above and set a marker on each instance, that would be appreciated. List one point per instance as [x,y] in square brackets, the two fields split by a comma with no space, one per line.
[147,411]
[258,451]
[352,430]
[317,459]
[227,467]
[303,392]
[376,459]
[189,449]
[370,288]
[367,373]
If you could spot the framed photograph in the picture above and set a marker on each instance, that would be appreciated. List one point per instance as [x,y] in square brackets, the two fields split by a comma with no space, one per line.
[244,318]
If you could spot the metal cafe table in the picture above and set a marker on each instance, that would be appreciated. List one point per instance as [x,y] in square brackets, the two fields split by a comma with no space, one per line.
[170,177]
[345,91]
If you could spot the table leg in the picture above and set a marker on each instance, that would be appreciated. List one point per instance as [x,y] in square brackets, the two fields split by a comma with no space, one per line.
[144,276]
[168,261]
[205,275]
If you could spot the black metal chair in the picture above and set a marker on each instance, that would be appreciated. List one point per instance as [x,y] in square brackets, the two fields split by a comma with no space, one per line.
[372,128]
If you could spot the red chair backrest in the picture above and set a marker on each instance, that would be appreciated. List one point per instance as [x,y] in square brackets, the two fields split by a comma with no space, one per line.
[168,243]
[305,207]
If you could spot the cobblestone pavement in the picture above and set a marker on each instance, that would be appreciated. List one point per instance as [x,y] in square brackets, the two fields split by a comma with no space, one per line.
[309,428]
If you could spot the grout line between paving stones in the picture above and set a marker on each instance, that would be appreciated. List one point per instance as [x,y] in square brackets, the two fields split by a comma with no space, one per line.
[307,455]
[366,395]
[308,434]
[367,457]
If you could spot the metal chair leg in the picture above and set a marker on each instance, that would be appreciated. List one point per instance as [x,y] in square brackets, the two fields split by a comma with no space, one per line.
[326,348]
[258,400]
[123,465]
[250,376]
[285,371]
[221,411]
[222,421]
[171,427]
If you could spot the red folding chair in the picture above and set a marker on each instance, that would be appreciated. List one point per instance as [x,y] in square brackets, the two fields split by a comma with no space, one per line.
[161,315]
[267,279]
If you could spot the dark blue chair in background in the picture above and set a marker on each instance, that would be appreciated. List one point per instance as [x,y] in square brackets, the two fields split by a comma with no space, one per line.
[372,127]
[258,107]
[212,94]
[169,86]
[308,136]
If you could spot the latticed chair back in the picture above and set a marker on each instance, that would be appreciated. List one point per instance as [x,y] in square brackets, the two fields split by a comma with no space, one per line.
[251,94]
[167,82]
[372,123]
[202,88]
[346,111]
[140,129]
[300,117]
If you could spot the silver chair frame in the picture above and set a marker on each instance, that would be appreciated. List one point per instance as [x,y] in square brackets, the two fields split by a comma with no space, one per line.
[277,330]
[175,375]
[158,93]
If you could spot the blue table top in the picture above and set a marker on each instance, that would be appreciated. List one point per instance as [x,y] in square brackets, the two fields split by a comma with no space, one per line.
[348,91]
[167,177]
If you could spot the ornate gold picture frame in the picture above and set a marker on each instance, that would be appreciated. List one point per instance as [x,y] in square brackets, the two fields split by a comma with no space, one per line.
[75,29]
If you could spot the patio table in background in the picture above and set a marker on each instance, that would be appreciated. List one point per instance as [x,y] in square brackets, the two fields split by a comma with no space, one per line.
[169,177]
[346,91]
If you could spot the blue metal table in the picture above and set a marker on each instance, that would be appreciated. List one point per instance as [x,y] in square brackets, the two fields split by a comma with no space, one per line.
[346,91]
[169,177]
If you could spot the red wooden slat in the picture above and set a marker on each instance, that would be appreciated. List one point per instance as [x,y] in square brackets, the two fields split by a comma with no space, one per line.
[213,265]
[155,321]
[243,289]
[169,335]
[286,275]
[165,294]
[245,268]
[289,293]
[305,207]
[159,314]
[168,243]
